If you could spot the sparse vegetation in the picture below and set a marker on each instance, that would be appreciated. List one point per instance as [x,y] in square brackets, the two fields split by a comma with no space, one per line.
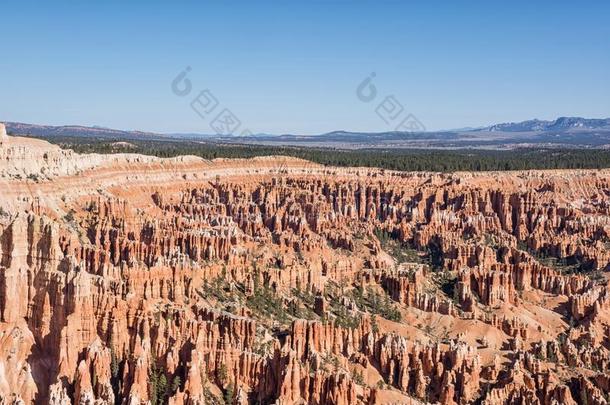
[229,394]
[216,289]
[34,177]
[447,283]
[267,303]
[158,386]
[401,252]
[343,316]
[566,265]
[303,305]
[69,217]
[358,377]
[376,303]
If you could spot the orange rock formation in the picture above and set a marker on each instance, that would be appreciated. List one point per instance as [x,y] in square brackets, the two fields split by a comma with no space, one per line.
[130,279]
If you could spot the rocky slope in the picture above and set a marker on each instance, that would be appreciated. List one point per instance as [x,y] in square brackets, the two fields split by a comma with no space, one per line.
[131,279]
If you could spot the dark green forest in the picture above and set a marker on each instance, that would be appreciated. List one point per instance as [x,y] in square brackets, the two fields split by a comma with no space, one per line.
[399,159]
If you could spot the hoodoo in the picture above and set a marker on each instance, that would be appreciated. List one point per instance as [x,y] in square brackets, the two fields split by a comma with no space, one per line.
[134,279]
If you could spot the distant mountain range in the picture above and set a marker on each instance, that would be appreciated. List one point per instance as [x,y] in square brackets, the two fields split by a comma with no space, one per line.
[562,132]
[560,124]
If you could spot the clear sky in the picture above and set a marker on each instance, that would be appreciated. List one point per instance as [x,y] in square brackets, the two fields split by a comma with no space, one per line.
[293,67]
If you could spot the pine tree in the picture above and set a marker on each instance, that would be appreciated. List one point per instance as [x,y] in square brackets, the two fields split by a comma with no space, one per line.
[229,393]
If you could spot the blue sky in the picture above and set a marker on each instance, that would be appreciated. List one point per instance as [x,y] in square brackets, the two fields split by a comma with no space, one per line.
[293,67]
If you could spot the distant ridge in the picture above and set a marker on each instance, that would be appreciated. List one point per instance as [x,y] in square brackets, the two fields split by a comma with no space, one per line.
[560,124]
[19,128]
[570,132]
